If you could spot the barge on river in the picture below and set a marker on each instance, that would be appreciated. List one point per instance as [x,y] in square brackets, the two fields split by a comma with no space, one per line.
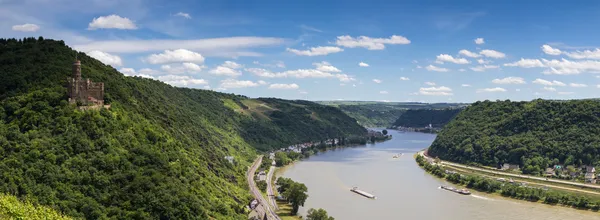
[363,193]
[459,191]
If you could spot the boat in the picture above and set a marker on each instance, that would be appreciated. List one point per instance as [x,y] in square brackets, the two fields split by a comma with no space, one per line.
[362,193]
[459,191]
[395,156]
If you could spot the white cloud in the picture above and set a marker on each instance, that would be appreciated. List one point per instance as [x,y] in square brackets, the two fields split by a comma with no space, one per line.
[496,89]
[370,43]
[175,69]
[26,27]
[236,84]
[261,82]
[430,83]
[111,22]
[549,50]
[228,68]
[404,78]
[577,85]
[175,56]
[376,81]
[462,70]
[185,15]
[483,68]
[598,86]
[436,91]
[278,64]
[176,80]
[142,73]
[482,61]
[127,71]
[232,65]
[567,67]
[479,41]
[383,92]
[448,58]
[518,90]
[316,51]
[586,54]
[436,69]
[106,58]
[551,89]
[509,80]
[468,54]
[299,73]
[326,67]
[526,63]
[566,93]
[228,47]
[548,83]
[492,54]
[225,71]
[284,86]
[465,85]
[363,64]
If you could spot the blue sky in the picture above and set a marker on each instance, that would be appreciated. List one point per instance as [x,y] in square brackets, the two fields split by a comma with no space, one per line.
[410,50]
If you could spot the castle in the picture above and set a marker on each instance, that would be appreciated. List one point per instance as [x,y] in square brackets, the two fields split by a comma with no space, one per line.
[84,91]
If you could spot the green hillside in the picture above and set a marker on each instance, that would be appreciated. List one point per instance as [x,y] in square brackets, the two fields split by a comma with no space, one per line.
[534,134]
[419,118]
[158,153]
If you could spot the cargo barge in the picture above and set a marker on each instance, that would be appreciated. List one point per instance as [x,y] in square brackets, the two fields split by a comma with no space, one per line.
[459,191]
[363,193]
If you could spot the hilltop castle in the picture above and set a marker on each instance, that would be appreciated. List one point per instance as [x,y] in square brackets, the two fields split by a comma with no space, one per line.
[84,91]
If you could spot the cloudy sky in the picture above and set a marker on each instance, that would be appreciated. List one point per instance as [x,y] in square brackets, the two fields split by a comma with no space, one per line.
[430,51]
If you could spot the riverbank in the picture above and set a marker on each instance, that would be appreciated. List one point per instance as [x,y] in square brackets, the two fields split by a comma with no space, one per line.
[520,191]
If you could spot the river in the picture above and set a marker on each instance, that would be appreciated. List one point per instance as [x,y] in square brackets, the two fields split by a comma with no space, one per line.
[403,189]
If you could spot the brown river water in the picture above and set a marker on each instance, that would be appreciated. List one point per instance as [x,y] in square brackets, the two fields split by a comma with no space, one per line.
[403,189]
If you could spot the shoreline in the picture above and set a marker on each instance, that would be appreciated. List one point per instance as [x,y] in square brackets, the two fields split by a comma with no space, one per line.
[498,193]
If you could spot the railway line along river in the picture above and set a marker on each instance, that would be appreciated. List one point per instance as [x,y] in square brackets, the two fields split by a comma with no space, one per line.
[403,189]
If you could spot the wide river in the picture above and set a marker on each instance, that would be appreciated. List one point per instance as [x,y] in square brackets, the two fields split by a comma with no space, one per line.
[403,190]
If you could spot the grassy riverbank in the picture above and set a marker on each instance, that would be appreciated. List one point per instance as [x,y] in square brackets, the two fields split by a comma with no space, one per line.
[487,184]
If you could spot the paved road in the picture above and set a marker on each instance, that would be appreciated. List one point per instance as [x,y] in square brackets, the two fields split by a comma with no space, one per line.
[270,187]
[263,206]
[518,175]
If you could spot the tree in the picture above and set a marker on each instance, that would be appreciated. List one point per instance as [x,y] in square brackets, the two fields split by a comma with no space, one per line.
[318,214]
[262,185]
[296,195]
[385,132]
[283,184]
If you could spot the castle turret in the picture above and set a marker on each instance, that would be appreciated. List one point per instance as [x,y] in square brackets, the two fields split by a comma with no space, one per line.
[77,69]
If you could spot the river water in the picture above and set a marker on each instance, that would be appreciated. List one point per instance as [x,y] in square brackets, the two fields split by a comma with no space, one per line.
[403,189]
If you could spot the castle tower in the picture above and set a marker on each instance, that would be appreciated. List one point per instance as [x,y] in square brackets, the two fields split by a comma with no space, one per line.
[77,69]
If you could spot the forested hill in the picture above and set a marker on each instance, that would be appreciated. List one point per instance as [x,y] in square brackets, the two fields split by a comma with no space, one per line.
[158,153]
[419,118]
[535,134]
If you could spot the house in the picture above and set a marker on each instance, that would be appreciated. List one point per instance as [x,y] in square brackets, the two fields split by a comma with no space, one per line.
[590,169]
[549,172]
[508,166]
[590,178]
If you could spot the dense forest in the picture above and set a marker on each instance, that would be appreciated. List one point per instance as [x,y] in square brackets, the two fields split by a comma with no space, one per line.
[157,153]
[535,134]
[419,118]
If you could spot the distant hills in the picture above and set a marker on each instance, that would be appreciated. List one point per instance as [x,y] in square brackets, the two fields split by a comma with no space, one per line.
[384,114]
[158,153]
[420,118]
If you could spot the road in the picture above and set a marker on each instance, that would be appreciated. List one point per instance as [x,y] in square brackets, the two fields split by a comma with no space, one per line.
[263,206]
[270,193]
[517,175]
